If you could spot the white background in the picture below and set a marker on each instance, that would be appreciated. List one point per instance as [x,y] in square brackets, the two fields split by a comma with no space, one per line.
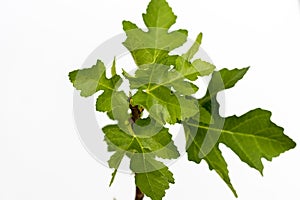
[41,41]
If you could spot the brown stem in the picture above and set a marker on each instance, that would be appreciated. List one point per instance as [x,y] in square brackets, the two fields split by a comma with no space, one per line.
[139,195]
[136,113]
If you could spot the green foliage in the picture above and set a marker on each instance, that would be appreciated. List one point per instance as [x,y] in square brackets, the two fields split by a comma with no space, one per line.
[163,85]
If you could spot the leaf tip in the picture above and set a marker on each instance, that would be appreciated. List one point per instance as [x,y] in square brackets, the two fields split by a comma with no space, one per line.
[72,76]
[199,38]
[128,25]
[113,177]
[261,171]
[113,67]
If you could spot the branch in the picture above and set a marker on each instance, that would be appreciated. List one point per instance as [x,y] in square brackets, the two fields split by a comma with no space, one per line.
[138,194]
[136,112]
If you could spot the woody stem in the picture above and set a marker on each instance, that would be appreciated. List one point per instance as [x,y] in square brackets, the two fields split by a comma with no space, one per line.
[135,115]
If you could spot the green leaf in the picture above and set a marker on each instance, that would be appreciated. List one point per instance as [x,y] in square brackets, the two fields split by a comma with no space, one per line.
[204,117]
[190,70]
[119,106]
[194,48]
[252,136]
[204,68]
[164,106]
[154,183]
[114,162]
[153,76]
[142,147]
[216,162]
[91,80]
[221,80]
[156,140]
[155,44]
[162,91]
[187,68]
[159,14]
[113,68]
[228,77]
[213,158]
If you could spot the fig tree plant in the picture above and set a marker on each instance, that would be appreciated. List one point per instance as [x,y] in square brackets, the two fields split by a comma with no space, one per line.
[164,86]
